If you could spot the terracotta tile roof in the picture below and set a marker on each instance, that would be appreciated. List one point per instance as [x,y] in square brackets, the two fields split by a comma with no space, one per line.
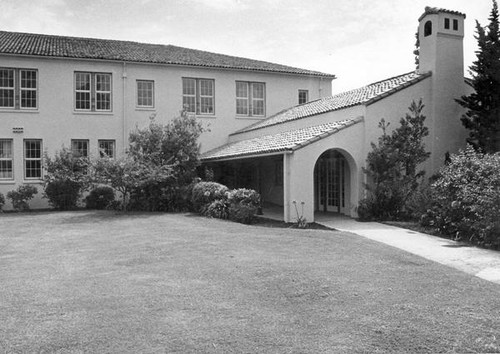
[275,143]
[104,49]
[435,10]
[365,95]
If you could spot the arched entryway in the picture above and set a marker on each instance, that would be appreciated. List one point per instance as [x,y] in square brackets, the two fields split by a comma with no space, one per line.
[332,188]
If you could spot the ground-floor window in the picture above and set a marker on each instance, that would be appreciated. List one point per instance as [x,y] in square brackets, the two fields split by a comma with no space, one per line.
[107,148]
[33,159]
[6,159]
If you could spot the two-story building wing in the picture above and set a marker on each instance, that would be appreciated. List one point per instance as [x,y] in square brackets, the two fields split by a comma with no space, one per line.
[88,94]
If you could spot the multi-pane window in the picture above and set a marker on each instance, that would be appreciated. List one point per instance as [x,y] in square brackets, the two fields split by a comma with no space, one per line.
[145,93]
[92,92]
[6,159]
[32,159]
[107,148]
[250,98]
[18,88]
[80,148]
[303,96]
[198,95]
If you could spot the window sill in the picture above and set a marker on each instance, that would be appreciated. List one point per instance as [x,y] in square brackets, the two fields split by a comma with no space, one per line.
[93,113]
[33,181]
[8,110]
[7,182]
[145,109]
[205,116]
[250,117]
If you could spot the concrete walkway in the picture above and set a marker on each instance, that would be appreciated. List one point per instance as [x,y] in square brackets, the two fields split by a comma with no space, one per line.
[482,263]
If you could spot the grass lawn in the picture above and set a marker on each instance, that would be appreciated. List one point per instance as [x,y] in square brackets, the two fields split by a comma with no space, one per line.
[100,282]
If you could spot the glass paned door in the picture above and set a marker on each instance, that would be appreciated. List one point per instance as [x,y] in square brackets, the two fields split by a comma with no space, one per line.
[330,181]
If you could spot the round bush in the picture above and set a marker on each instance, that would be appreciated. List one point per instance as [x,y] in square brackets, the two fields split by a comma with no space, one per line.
[466,199]
[100,198]
[63,194]
[2,201]
[243,213]
[217,209]
[204,193]
[244,196]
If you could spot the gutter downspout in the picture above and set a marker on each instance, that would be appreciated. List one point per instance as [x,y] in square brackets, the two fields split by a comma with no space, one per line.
[124,115]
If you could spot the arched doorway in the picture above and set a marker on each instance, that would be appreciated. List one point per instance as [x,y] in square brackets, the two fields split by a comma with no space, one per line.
[332,183]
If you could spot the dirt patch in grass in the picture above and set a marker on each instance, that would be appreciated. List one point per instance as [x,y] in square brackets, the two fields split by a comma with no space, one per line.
[101,282]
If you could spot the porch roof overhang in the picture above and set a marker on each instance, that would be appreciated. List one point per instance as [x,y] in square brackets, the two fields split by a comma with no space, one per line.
[276,144]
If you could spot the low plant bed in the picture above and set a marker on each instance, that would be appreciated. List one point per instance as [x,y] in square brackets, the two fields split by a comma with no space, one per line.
[266,222]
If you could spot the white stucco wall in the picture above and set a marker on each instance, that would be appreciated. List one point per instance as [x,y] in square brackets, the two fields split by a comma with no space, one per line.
[300,170]
[56,123]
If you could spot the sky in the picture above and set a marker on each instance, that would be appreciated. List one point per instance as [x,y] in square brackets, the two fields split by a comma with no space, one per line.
[359,41]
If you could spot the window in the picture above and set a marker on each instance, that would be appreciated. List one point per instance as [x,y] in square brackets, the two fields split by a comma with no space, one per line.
[427,28]
[455,25]
[145,93]
[32,159]
[107,148]
[198,95]
[18,88]
[446,23]
[80,148]
[250,98]
[6,159]
[92,92]
[303,96]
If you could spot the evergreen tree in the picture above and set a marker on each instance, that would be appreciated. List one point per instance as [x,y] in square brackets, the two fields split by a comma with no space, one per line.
[392,166]
[483,105]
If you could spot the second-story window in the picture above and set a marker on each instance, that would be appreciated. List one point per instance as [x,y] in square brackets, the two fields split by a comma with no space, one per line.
[18,88]
[250,98]
[198,95]
[93,92]
[303,96]
[145,94]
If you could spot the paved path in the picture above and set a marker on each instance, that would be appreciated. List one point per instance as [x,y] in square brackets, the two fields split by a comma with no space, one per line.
[482,263]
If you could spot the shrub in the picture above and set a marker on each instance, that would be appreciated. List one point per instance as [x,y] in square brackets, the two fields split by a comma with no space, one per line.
[244,196]
[217,209]
[100,198]
[243,205]
[2,201]
[467,199]
[66,178]
[62,194]
[21,196]
[243,213]
[204,193]
[392,166]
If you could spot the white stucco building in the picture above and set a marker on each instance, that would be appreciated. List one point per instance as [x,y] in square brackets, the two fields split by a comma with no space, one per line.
[318,149]
[273,128]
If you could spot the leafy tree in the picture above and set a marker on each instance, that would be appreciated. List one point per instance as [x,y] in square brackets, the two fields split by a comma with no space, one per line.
[175,144]
[66,178]
[392,166]
[127,174]
[483,105]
